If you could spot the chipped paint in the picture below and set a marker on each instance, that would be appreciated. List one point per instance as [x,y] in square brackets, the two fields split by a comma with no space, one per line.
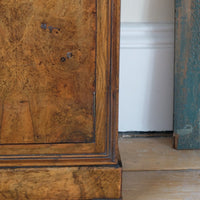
[187,74]
[187,130]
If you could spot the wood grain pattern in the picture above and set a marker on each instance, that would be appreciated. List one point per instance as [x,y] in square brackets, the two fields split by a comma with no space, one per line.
[35,102]
[187,75]
[157,185]
[151,154]
[56,109]
[71,183]
[153,170]
[114,95]
[44,100]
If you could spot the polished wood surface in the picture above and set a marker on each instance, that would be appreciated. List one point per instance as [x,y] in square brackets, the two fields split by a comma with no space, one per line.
[59,82]
[71,183]
[45,99]
[59,99]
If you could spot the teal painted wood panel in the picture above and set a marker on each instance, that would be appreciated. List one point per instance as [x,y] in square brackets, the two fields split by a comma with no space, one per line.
[187,75]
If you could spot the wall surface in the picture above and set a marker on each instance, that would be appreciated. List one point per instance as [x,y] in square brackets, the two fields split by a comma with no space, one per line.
[146,65]
[160,11]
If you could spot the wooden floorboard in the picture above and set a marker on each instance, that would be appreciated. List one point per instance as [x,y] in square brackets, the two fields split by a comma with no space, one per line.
[161,185]
[139,154]
[154,170]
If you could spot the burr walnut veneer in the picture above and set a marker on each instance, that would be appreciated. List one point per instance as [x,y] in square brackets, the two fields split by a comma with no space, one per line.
[59,99]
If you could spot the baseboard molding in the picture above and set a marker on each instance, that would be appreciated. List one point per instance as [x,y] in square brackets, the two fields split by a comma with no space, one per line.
[147,35]
[139,134]
[146,77]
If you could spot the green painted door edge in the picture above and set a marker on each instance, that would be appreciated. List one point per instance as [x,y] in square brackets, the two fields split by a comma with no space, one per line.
[187,75]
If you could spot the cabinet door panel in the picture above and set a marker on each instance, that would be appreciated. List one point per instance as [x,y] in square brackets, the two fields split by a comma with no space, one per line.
[47,71]
[58,82]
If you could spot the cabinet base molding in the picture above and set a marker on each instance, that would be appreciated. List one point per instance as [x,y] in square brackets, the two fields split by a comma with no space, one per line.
[107,199]
[63,183]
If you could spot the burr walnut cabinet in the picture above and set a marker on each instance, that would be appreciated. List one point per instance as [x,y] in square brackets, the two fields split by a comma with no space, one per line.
[59,99]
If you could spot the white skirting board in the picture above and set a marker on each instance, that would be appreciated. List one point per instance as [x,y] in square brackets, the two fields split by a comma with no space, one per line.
[146,77]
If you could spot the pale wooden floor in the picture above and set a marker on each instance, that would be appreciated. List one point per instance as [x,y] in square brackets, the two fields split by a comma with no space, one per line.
[153,170]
